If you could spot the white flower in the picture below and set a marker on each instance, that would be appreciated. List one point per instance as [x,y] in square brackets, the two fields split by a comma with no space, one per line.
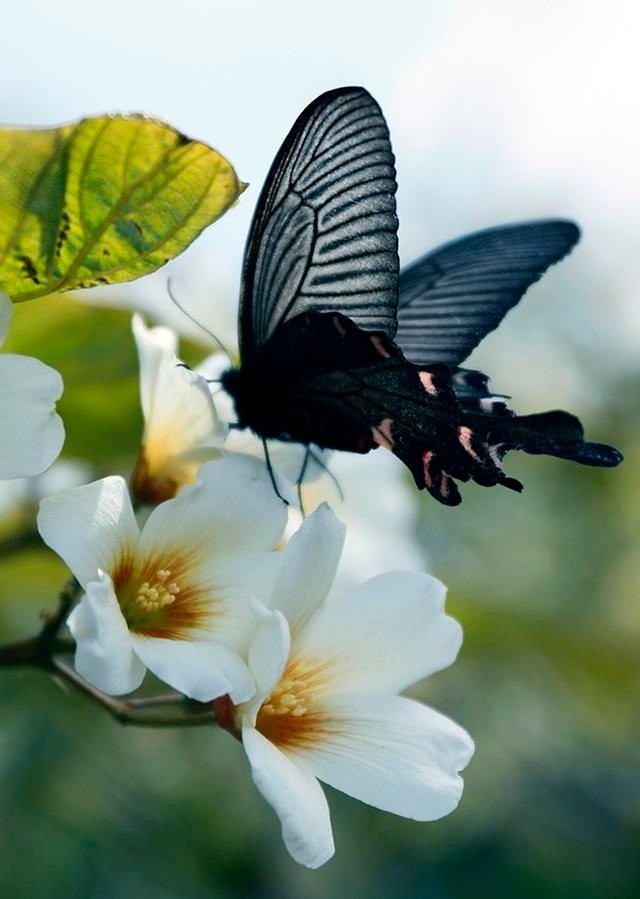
[31,432]
[181,427]
[327,706]
[173,597]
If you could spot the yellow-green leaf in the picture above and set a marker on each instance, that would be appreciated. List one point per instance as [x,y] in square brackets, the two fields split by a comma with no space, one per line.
[108,199]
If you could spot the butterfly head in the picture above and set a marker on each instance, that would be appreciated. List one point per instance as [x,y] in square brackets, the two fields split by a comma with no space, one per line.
[253,403]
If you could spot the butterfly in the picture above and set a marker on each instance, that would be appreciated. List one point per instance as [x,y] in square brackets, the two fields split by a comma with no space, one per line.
[341,350]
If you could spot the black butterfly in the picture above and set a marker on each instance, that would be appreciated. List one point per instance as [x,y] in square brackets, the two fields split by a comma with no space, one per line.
[340,350]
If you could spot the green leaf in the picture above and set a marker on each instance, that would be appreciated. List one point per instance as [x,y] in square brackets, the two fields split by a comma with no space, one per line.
[105,200]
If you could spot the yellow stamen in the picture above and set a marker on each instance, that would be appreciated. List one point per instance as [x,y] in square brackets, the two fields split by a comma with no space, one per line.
[157,595]
[290,716]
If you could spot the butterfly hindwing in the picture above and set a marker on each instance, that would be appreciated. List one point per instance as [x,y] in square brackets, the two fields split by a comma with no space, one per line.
[324,234]
[455,295]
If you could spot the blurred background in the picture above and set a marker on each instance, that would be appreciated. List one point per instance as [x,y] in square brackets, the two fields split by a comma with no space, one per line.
[498,112]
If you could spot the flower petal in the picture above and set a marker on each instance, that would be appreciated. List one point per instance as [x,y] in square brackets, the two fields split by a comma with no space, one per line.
[6,311]
[104,656]
[225,587]
[31,432]
[268,655]
[385,634]
[393,753]
[91,527]
[177,404]
[309,565]
[296,797]
[232,506]
[201,670]
[154,345]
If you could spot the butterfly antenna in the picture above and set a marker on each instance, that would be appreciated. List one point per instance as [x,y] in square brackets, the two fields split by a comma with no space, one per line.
[318,460]
[267,460]
[195,321]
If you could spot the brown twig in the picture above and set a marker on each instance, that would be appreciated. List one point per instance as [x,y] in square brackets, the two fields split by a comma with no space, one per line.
[133,711]
[42,652]
[38,651]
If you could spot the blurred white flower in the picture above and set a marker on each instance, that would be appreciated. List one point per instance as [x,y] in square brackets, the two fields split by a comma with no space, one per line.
[31,432]
[174,596]
[327,706]
[380,509]
[181,426]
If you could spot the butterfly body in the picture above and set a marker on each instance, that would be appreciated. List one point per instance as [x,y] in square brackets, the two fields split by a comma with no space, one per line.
[342,350]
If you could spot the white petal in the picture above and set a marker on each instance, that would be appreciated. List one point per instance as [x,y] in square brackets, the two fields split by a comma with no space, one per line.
[392,753]
[268,655]
[103,654]
[308,568]
[178,410]
[91,527]
[212,368]
[385,634]
[6,311]
[200,670]
[183,402]
[154,345]
[232,508]
[296,797]
[31,432]
[231,583]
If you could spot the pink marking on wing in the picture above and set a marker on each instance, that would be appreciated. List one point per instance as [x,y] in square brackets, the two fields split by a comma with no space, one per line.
[382,433]
[426,379]
[427,459]
[444,484]
[464,436]
[493,452]
[379,346]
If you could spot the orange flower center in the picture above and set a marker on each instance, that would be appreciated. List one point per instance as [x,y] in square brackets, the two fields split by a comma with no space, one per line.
[159,599]
[291,716]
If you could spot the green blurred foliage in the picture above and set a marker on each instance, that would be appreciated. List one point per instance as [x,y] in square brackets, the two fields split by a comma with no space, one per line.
[546,586]
[104,200]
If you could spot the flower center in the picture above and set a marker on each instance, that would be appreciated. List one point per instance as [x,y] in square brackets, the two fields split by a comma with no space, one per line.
[287,699]
[161,592]
[159,597]
[292,716]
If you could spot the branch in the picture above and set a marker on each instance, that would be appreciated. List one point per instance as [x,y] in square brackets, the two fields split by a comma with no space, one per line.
[38,651]
[134,711]
[41,652]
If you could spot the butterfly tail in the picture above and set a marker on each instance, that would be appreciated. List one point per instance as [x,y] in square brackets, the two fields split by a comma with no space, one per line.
[554,433]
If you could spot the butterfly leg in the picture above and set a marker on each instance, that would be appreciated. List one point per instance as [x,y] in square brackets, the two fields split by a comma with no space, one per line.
[267,460]
[300,479]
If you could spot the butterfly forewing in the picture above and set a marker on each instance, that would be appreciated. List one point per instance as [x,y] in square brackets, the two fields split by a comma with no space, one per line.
[455,295]
[324,234]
